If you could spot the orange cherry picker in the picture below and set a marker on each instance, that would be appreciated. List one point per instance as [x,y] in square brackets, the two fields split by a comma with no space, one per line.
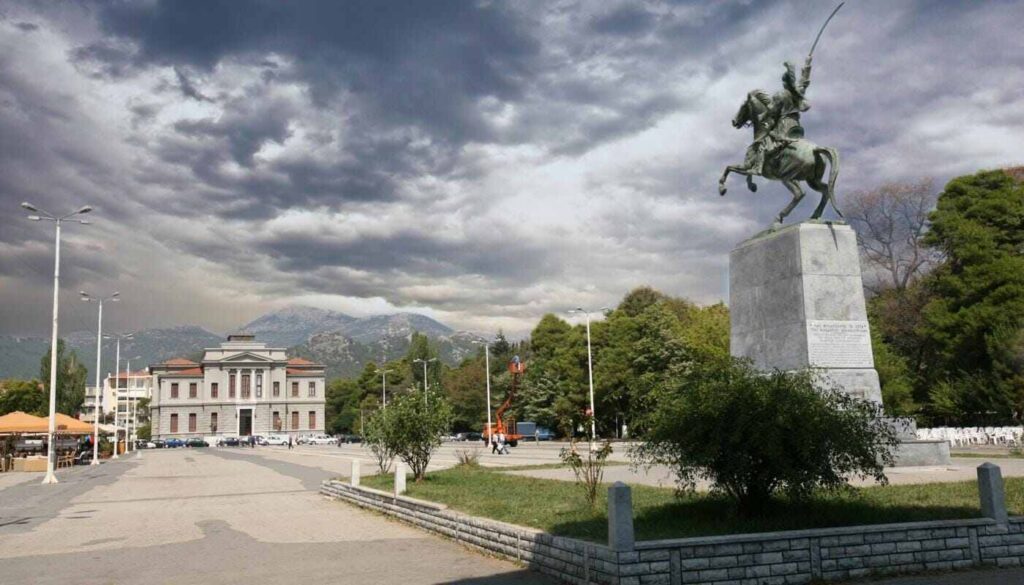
[501,424]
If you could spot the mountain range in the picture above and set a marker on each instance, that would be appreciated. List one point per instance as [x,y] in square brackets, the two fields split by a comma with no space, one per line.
[342,342]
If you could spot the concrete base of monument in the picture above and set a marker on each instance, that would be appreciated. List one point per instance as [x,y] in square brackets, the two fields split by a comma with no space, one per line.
[914,452]
[796,301]
[918,453]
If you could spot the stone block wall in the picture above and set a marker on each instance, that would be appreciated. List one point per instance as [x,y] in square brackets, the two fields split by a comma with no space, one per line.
[775,558]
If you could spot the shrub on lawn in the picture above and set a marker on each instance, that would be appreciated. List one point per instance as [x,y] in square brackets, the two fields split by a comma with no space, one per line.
[414,427]
[754,434]
[468,457]
[589,467]
[375,434]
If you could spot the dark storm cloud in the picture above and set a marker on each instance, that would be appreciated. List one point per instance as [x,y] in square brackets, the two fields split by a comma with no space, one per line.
[211,130]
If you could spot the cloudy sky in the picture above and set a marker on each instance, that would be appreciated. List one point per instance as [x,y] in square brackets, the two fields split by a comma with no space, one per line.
[479,162]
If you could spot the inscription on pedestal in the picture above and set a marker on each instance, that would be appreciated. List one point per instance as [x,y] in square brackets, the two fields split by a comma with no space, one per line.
[839,344]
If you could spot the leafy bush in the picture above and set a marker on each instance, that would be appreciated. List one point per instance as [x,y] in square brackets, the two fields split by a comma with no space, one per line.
[468,457]
[376,435]
[412,428]
[754,434]
[589,470]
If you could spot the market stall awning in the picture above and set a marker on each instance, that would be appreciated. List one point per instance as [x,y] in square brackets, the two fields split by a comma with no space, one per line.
[71,426]
[20,422]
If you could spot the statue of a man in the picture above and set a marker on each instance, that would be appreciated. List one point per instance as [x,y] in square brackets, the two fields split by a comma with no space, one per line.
[779,116]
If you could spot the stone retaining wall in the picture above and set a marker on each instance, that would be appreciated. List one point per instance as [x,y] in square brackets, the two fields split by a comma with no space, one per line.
[566,559]
[774,558]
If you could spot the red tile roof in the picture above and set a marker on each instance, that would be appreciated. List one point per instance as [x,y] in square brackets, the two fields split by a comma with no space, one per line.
[297,361]
[298,372]
[179,362]
[187,372]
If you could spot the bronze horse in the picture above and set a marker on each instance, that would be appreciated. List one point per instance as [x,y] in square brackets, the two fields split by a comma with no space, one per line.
[792,159]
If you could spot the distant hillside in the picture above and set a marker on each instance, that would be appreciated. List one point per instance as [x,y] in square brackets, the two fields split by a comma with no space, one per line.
[341,342]
[295,325]
[346,351]
[21,356]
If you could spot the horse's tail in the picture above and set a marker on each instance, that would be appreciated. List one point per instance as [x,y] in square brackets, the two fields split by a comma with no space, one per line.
[832,155]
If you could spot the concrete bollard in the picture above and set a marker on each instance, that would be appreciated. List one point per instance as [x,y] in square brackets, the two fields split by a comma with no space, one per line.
[399,479]
[991,492]
[354,476]
[620,517]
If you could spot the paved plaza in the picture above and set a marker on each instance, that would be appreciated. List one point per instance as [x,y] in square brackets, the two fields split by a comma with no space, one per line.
[253,516]
[216,516]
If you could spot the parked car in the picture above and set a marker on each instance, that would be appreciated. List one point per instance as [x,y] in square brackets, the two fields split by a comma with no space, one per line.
[276,440]
[320,440]
[260,439]
[468,436]
[544,434]
[159,443]
[196,442]
[349,439]
[228,442]
[174,442]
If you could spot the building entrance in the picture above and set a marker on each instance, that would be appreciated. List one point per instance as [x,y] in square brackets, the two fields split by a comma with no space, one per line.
[245,422]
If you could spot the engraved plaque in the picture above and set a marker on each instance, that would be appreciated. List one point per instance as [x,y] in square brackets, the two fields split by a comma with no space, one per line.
[839,344]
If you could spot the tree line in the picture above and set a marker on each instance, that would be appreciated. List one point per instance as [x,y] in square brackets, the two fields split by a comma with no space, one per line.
[944,279]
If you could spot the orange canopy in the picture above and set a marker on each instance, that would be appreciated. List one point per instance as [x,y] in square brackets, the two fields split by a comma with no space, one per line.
[20,422]
[70,426]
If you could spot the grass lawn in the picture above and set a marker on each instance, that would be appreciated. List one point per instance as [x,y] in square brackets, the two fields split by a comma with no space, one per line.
[558,507]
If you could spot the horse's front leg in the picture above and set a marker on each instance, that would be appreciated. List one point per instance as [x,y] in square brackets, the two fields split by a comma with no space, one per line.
[725,175]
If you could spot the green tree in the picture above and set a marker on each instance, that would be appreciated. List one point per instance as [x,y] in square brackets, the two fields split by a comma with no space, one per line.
[24,395]
[71,374]
[414,428]
[973,321]
[754,435]
[378,436]
[341,410]
[420,348]
[465,387]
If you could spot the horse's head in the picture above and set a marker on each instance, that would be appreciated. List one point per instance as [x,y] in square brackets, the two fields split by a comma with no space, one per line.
[742,117]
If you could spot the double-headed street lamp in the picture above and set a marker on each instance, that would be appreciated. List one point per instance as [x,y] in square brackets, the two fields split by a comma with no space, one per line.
[99,394]
[384,387]
[487,375]
[590,371]
[117,388]
[425,362]
[40,215]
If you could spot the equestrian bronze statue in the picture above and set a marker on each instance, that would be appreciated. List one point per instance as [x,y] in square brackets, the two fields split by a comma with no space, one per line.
[779,151]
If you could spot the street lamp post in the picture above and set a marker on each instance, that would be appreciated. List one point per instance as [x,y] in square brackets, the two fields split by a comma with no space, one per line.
[57,220]
[99,393]
[425,362]
[590,373]
[117,399]
[384,387]
[487,376]
[129,408]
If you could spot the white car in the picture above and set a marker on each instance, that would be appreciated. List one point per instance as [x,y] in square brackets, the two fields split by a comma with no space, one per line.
[320,440]
[277,440]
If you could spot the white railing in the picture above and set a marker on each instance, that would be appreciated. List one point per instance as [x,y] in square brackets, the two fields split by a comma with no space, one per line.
[968,436]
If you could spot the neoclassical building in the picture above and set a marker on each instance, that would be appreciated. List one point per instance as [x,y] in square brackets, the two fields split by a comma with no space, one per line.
[241,388]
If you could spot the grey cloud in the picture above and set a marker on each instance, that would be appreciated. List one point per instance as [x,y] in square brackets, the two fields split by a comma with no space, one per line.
[188,89]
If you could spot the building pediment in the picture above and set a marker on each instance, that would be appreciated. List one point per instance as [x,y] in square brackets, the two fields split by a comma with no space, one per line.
[245,357]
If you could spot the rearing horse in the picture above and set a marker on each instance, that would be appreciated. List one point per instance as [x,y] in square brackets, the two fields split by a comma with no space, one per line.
[794,160]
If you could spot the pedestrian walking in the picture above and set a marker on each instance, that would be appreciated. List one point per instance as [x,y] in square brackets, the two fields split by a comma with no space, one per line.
[289,442]
[494,443]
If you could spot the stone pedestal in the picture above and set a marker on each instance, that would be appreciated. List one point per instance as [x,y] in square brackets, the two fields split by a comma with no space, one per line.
[796,301]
